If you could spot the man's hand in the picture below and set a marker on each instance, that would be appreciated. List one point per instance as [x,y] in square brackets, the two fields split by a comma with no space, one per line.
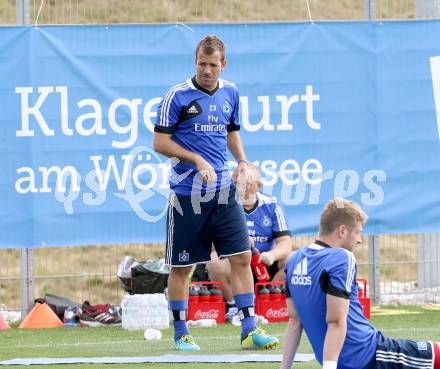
[242,169]
[206,170]
[241,178]
[267,258]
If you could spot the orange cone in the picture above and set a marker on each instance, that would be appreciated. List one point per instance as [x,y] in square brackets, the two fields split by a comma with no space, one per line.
[3,323]
[41,316]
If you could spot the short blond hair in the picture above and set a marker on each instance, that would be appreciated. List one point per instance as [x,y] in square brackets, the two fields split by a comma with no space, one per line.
[254,172]
[340,211]
[210,44]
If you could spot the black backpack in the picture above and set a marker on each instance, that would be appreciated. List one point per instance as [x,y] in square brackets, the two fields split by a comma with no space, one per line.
[58,304]
[144,277]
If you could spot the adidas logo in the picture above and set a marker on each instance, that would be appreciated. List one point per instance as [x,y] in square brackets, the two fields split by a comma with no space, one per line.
[300,276]
[192,110]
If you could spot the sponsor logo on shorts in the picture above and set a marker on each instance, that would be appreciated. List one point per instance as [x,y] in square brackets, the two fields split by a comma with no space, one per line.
[183,256]
[422,346]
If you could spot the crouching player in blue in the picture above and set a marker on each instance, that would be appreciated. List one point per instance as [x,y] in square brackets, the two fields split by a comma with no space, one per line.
[268,233]
[323,300]
[196,122]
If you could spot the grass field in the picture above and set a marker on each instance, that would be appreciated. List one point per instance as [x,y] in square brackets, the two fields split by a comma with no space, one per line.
[403,322]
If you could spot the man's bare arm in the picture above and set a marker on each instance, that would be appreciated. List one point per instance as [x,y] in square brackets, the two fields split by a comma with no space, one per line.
[337,312]
[281,249]
[292,337]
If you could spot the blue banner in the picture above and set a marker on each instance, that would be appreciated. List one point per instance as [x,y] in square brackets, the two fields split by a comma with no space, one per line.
[332,109]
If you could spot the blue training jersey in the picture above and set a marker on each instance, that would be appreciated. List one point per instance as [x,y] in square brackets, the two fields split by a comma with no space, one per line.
[311,273]
[199,121]
[265,222]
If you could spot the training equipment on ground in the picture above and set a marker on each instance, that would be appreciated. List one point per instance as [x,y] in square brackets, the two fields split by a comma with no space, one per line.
[251,358]
[3,323]
[41,316]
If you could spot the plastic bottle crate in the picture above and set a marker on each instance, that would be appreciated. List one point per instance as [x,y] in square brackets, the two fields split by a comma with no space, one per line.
[144,311]
[272,306]
[363,299]
[275,310]
[207,307]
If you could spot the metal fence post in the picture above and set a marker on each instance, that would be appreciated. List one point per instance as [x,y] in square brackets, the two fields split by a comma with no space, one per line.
[27,280]
[26,255]
[374,268]
[370,9]
[428,247]
[23,12]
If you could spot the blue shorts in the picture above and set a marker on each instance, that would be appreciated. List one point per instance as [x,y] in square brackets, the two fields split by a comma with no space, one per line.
[402,354]
[194,226]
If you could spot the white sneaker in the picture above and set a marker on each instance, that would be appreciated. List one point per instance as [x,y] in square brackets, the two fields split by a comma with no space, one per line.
[233,311]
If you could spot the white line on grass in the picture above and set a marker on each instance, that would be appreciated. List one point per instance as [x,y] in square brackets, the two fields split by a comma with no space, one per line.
[105,343]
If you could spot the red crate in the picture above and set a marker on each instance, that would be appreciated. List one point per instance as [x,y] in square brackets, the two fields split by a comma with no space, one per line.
[363,299]
[276,311]
[272,307]
[207,310]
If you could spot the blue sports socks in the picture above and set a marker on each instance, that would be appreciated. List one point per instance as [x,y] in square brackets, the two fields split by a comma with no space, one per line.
[178,308]
[245,305]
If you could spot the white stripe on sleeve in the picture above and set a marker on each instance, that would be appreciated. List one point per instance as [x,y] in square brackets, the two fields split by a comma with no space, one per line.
[280,217]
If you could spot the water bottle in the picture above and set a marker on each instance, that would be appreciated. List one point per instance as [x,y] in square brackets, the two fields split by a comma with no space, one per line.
[264,294]
[216,294]
[193,295]
[144,311]
[204,295]
[283,292]
[259,269]
[162,317]
[275,293]
[129,313]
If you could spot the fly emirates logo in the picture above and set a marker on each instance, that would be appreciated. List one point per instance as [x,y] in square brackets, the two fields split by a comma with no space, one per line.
[209,127]
[213,124]
[300,276]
